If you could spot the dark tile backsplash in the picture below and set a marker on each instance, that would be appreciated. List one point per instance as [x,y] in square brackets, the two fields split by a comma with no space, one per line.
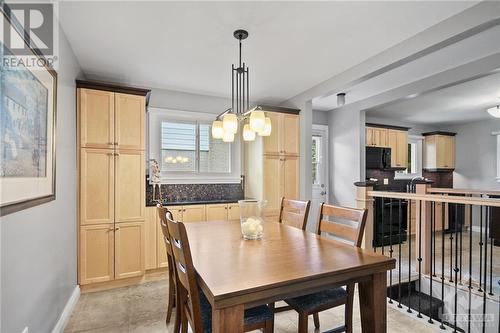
[440,179]
[194,192]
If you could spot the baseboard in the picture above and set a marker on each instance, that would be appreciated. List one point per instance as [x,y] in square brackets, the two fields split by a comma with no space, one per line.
[68,309]
[477,228]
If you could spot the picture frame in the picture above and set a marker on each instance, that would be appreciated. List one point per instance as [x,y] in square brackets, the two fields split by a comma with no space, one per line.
[28,109]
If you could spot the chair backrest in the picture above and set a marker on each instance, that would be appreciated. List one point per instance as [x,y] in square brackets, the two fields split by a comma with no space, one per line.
[357,217]
[187,285]
[163,212]
[294,212]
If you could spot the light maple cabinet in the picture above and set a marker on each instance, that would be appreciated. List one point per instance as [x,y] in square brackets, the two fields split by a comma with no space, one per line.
[272,164]
[217,212]
[111,182]
[233,212]
[398,142]
[439,151]
[285,134]
[376,137]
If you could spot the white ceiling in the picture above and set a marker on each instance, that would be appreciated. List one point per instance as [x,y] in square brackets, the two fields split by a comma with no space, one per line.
[461,103]
[189,46]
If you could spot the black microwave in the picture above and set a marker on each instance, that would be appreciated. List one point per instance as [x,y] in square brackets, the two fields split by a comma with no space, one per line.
[378,158]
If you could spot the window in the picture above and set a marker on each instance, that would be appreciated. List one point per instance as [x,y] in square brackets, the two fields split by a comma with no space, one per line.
[414,163]
[189,147]
[316,159]
[182,144]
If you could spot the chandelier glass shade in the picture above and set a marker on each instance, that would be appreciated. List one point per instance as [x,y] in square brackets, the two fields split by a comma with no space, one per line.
[254,121]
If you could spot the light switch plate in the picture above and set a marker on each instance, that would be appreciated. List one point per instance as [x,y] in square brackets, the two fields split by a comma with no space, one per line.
[386,181]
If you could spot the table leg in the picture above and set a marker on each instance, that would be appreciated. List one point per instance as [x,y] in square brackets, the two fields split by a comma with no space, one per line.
[228,320]
[373,304]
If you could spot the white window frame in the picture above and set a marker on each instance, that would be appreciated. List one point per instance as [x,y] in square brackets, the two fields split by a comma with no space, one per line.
[158,115]
[418,140]
[497,134]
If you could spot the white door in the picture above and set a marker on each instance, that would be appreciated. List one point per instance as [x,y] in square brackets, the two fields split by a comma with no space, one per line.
[320,177]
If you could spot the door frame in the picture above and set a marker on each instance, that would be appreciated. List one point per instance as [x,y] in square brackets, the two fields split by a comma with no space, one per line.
[323,129]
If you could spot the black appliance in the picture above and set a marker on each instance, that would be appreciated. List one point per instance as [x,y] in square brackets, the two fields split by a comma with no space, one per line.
[378,158]
[387,228]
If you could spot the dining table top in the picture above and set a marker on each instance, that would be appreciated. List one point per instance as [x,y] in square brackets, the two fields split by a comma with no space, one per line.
[230,267]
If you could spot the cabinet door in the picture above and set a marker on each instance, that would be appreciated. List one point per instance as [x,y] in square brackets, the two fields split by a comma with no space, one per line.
[290,177]
[392,142]
[449,152]
[129,121]
[272,142]
[380,137]
[96,186]
[194,213]
[402,149]
[233,211]
[96,118]
[130,186]
[150,238]
[290,138]
[272,183]
[96,253]
[129,249]
[217,212]
[369,140]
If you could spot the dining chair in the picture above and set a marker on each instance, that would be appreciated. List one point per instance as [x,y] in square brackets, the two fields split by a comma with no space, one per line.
[163,212]
[194,306]
[347,224]
[294,212]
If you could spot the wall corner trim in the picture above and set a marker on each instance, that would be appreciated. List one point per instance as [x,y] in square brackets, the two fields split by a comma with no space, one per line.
[67,311]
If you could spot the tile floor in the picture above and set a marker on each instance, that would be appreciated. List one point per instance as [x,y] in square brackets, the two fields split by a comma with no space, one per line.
[141,308]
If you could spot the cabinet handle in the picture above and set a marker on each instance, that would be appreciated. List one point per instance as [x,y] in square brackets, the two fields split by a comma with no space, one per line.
[230,207]
[117,154]
[115,143]
[184,210]
[117,228]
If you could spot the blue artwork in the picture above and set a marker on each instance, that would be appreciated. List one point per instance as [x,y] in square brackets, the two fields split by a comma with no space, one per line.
[23,123]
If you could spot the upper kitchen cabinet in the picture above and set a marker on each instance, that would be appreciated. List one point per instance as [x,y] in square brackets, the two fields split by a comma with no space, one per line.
[398,142]
[439,151]
[376,137]
[285,134]
[111,116]
[96,109]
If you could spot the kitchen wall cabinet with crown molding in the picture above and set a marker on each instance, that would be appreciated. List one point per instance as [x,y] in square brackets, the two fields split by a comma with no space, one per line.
[439,151]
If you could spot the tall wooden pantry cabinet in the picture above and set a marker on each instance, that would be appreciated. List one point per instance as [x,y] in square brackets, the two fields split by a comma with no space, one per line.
[111,181]
[272,163]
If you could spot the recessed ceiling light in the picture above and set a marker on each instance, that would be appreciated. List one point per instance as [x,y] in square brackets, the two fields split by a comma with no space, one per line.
[494,111]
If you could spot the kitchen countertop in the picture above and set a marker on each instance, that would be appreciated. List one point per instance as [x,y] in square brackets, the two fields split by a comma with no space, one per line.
[193,202]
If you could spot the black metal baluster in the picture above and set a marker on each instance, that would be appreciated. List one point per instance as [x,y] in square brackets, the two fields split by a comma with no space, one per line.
[487,222]
[409,258]
[390,248]
[419,315]
[491,252]
[470,270]
[382,225]
[480,246]
[442,261]
[375,231]
[451,243]
[434,238]
[456,269]
[433,250]
[399,256]
[460,252]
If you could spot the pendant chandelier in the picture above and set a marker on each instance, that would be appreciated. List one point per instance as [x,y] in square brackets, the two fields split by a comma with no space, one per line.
[254,120]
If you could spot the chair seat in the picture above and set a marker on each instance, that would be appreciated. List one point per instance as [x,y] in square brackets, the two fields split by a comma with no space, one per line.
[252,316]
[309,303]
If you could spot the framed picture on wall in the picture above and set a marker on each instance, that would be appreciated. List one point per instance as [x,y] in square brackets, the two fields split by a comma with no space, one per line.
[28,104]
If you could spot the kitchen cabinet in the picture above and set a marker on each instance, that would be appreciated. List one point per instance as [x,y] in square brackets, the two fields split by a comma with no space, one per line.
[398,142]
[216,212]
[439,151]
[233,212]
[96,248]
[376,137]
[129,249]
[438,217]
[193,213]
[111,182]
[280,175]
[150,237]
[285,134]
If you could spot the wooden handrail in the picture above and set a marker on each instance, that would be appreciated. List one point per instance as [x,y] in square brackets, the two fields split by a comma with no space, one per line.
[461,191]
[436,198]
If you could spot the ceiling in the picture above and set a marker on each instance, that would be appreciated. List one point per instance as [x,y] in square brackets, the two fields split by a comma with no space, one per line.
[461,103]
[189,46]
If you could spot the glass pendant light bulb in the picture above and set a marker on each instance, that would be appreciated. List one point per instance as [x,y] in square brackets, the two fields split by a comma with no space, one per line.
[257,121]
[217,130]
[230,123]
[248,134]
[228,137]
[267,128]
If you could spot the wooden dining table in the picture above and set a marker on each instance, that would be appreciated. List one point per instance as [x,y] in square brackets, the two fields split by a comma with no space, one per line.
[236,274]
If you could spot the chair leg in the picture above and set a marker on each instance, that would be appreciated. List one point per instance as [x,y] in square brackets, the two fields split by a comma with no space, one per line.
[303,318]
[184,323]
[348,309]
[177,320]
[269,326]
[316,319]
